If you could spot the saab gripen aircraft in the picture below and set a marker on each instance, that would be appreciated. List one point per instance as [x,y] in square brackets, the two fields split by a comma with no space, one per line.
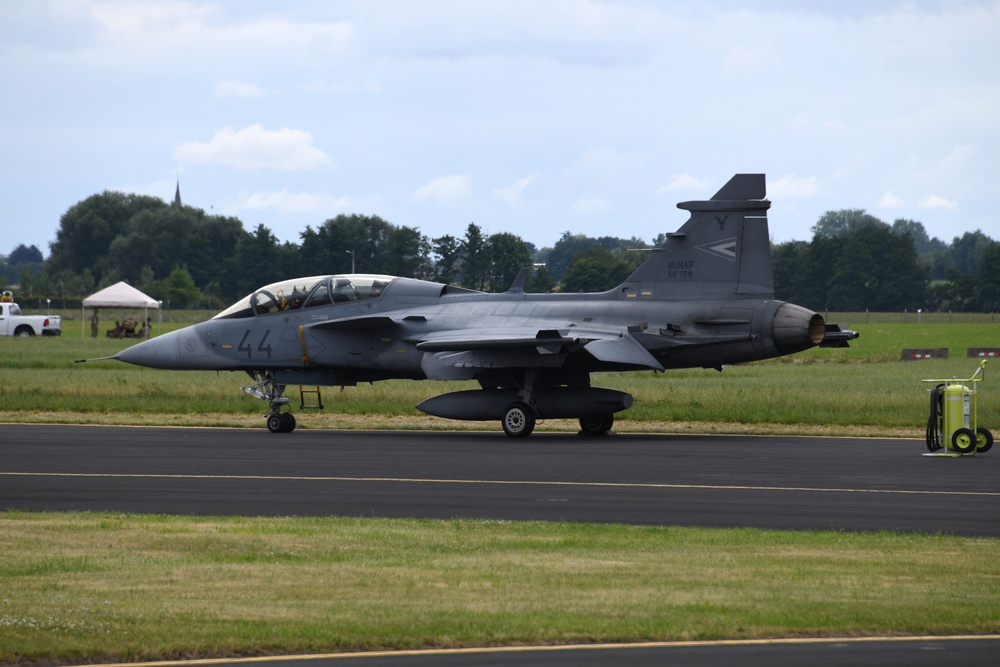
[704,298]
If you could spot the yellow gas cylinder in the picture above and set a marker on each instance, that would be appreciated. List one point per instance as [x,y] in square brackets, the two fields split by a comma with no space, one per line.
[955,419]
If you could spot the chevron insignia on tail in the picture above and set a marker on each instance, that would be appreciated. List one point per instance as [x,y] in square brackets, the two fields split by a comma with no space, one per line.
[725,248]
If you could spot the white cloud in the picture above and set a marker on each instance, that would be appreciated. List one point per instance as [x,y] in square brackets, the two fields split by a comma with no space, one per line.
[958,161]
[742,60]
[186,32]
[584,33]
[447,189]
[790,187]
[592,206]
[512,195]
[852,98]
[331,41]
[253,147]
[292,202]
[679,182]
[935,201]
[59,27]
[801,122]
[344,88]
[230,88]
[163,188]
[890,200]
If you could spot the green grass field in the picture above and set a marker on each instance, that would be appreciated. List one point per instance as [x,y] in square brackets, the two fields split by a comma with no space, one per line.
[85,587]
[90,587]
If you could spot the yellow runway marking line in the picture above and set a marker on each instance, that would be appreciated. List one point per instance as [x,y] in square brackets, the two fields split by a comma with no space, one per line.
[500,482]
[561,647]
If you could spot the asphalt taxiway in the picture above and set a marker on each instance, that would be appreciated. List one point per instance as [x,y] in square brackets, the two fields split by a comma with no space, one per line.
[765,482]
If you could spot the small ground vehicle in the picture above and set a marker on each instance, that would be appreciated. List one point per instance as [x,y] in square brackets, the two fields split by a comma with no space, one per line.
[13,323]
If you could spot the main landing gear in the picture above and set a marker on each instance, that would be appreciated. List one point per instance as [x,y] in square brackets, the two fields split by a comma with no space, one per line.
[519,421]
[279,417]
[519,417]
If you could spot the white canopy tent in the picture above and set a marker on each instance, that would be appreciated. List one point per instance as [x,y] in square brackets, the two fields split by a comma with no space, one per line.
[119,295]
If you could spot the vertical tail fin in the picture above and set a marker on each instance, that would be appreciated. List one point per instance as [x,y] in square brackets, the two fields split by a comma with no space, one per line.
[722,250]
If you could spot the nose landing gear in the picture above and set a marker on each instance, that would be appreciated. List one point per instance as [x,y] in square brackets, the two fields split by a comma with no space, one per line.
[266,389]
[280,422]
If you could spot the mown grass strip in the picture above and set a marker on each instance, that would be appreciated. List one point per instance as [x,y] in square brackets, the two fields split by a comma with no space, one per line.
[82,587]
[833,392]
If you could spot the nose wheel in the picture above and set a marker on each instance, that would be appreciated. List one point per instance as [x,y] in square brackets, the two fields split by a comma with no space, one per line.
[266,389]
[281,422]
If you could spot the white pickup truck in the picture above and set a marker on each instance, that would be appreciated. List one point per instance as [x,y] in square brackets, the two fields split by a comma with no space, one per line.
[13,323]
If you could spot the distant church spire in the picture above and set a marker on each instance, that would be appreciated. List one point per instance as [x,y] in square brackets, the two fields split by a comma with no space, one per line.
[177,194]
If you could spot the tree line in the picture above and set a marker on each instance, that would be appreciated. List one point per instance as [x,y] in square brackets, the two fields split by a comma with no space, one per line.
[190,259]
[856,262]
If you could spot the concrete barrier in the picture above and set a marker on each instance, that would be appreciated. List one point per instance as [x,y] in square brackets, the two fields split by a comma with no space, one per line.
[917,353]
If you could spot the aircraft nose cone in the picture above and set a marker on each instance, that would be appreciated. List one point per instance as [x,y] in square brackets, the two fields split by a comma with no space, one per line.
[159,352]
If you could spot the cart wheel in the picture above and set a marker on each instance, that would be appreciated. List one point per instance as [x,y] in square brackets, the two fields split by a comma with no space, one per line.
[964,441]
[984,440]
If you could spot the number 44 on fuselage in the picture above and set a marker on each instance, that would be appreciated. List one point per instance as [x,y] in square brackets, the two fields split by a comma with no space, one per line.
[703,299]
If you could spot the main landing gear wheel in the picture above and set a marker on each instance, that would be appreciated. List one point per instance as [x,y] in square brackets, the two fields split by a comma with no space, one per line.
[518,420]
[984,440]
[964,440]
[597,424]
[281,422]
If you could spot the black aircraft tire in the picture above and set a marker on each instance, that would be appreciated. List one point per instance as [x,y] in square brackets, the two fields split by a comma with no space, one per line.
[964,441]
[597,424]
[275,423]
[609,422]
[984,440]
[289,419]
[518,420]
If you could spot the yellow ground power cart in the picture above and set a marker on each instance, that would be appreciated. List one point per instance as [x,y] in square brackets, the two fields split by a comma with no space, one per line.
[952,425]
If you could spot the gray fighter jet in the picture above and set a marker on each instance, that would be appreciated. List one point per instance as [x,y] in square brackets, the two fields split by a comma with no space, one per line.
[704,298]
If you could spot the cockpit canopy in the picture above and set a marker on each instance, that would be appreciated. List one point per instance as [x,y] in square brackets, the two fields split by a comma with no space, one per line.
[307,293]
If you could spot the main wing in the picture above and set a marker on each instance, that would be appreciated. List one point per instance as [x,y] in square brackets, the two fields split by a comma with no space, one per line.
[456,353]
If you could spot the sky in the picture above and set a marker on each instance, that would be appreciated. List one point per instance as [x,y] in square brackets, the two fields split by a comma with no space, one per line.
[535,118]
